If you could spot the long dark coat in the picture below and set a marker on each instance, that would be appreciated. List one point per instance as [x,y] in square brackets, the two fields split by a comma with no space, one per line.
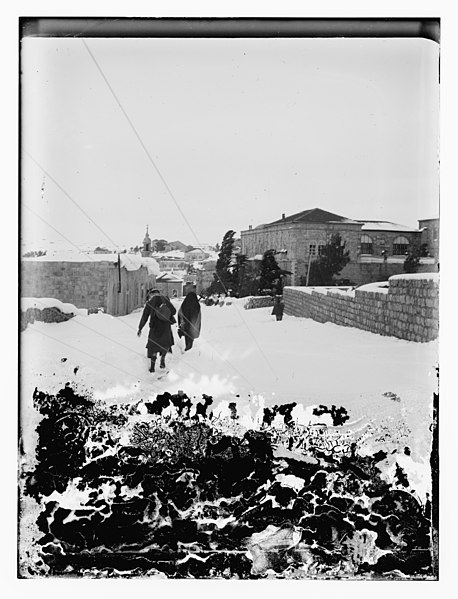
[189,316]
[278,308]
[160,337]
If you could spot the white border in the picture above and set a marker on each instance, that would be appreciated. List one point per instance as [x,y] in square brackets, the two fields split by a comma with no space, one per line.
[286,8]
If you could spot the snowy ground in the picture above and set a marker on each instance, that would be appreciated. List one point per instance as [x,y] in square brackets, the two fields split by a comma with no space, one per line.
[247,357]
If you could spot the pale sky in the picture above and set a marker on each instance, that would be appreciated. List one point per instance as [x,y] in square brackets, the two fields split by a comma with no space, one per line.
[242,131]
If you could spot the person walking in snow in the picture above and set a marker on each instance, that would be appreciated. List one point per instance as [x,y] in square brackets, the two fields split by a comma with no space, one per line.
[189,319]
[160,311]
[278,307]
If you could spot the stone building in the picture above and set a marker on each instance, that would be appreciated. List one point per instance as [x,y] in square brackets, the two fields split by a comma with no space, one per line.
[430,235]
[170,285]
[116,283]
[171,261]
[195,255]
[377,249]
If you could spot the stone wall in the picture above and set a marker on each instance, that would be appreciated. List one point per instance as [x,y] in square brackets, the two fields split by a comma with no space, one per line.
[407,310]
[262,301]
[79,283]
[48,314]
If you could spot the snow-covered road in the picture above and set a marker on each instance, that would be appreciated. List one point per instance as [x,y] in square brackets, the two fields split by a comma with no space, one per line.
[240,354]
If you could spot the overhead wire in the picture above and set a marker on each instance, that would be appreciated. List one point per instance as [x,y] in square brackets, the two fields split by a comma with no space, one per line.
[220,357]
[68,196]
[121,344]
[217,355]
[152,162]
[91,356]
[58,232]
[122,321]
[145,149]
[75,203]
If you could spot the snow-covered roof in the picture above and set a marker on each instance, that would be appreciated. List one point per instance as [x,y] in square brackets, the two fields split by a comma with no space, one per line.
[314,215]
[381,225]
[169,278]
[196,251]
[173,254]
[128,261]
[135,262]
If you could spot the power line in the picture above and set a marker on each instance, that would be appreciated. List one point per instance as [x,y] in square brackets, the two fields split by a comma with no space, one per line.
[67,195]
[139,139]
[89,256]
[58,232]
[102,74]
[91,356]
[121,344]
[220,357]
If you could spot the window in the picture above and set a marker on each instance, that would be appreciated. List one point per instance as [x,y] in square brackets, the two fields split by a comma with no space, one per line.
[316,250]
[367,246]
[400,246]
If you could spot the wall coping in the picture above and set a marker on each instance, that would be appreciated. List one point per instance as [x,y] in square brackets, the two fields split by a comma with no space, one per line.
[427,276]
[380,287]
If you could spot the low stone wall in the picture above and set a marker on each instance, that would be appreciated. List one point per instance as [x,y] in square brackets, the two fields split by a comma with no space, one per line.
[407,310]
[48,314]
[262,301]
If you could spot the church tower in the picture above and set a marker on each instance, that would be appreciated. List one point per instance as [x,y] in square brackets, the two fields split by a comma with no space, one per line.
[146,249]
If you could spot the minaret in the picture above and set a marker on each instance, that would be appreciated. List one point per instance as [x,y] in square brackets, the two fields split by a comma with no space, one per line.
[146,251]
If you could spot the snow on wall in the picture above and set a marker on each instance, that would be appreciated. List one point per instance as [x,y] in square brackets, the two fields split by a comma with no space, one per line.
[91,284]
[51,302]
[430,276]
[46,309]
[128,261]
[408,309]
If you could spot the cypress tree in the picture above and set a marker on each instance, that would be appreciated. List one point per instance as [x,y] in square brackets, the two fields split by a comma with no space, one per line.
[332,260]
[223,278]
[270,274]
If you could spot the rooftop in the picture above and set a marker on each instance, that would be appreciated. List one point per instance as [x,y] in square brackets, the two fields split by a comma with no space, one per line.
[314,215]
[128,261]
[380,225]
[169,278]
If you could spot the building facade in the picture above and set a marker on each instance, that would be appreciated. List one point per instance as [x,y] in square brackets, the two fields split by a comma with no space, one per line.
[377,249]
[170,285]
[195,255]
[430,235]
[117,285]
